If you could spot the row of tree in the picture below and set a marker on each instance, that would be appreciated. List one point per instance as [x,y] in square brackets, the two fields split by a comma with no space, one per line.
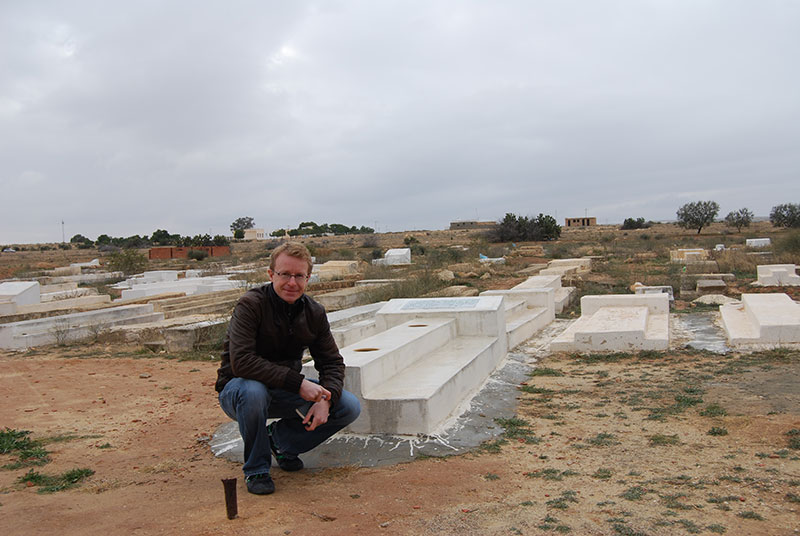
[159,237]
[310,228]
[703,213]
[522,228]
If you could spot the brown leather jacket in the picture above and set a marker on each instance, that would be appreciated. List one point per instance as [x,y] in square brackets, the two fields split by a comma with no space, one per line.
[266,338]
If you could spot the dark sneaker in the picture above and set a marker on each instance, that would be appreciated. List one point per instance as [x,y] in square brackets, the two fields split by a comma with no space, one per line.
[287,462]
[261,484]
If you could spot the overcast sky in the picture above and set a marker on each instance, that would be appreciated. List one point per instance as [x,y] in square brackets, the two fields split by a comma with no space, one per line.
[126,117]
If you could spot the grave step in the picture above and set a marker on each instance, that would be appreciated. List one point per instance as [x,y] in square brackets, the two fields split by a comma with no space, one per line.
[523,326]
[354,332]
[373,360]
[739,328]
[422,396]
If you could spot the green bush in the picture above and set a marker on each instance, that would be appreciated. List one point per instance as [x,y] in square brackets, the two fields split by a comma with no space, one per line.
[789,244]
[197,254]
[127,261]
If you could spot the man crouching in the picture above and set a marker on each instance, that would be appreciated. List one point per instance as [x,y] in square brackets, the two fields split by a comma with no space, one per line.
[259,377]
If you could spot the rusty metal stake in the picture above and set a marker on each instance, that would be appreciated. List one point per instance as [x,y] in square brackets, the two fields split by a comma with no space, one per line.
[230,497]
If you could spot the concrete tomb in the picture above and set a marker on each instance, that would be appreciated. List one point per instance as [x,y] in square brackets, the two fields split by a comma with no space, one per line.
[394,257]
[688,255]
[639,288]
[426,357]
[618,323]
[564,267]
[777,275]
[562,296]
[762,319]
[332,270]
[527,311]
[20,292]
[757,242]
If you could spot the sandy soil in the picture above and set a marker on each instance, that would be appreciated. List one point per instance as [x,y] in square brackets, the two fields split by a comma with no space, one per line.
[604,447]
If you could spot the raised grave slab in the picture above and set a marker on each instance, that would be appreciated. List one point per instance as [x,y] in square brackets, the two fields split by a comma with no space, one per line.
[427,357]
[20,292]
[762,319]
[777,275]
[618,323]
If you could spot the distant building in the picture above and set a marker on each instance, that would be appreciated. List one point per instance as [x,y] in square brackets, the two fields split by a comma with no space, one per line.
[255,234]
[471,224]
[580,222]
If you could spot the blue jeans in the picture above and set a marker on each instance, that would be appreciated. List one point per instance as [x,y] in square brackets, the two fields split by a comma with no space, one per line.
[251,403]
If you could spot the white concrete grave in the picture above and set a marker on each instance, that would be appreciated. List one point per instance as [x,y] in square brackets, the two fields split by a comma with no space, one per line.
[757,242]
[688,255]
[73,326]
[577,266]
[427,356]
[618,323]
[762,319]
[332,270]
[639,288]
[777,275]
[394,257]
[562,296]
[528,310]
[20,292]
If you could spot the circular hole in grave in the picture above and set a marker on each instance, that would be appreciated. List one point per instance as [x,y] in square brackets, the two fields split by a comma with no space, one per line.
[365,349]
[418,325]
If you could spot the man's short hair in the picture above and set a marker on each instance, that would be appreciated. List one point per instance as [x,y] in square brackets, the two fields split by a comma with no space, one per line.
[292,249]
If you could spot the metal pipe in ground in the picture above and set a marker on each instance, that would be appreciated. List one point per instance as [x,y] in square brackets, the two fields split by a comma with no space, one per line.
[230,497]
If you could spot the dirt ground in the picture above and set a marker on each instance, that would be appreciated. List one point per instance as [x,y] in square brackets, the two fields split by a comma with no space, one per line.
[599,445]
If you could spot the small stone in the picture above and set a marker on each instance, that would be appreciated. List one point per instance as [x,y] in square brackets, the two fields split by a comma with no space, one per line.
[145,375]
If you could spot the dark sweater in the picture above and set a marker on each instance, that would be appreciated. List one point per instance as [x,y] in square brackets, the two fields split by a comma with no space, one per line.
[266,338]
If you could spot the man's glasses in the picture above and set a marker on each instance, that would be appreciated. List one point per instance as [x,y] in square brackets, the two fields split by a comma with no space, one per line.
[286,276]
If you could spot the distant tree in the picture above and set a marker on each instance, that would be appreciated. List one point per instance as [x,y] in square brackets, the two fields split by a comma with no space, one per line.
[103,240]
[238,234]
[786,215]
[245,222]
[739,218]
[520,228]
[697,215]
[278,233]
[161,237]
[81,241]
[637,223]
[220,240]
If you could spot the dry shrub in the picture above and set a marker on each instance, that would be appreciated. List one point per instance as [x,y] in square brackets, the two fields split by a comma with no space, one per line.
[737,262]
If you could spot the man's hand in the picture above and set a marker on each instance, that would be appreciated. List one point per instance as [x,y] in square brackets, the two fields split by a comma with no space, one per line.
[313,392]
[317,415]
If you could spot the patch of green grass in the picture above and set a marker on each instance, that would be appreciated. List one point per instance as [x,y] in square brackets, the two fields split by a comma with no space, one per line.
[716,528]
[672,501]
[562,502]
[54,483]
[493,446]
[603,474]
[794,438]
[793,497]
[545,371]
[624,530]
[603,439]
[634,493]
[550,474]
[658,440]
[749,514]
[518,430]
[719,499]
[532,389]
[713,410]
[717,431]
[491,476]
[29,452]
[690,526]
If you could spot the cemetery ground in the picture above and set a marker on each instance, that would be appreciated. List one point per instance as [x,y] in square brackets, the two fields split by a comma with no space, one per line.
[676,442]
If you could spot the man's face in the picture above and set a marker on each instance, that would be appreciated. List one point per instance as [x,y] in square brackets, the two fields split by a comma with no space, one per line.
[289,288]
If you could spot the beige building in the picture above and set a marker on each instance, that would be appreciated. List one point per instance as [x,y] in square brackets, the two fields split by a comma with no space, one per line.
[580,222]
[472,224]
[255,234]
